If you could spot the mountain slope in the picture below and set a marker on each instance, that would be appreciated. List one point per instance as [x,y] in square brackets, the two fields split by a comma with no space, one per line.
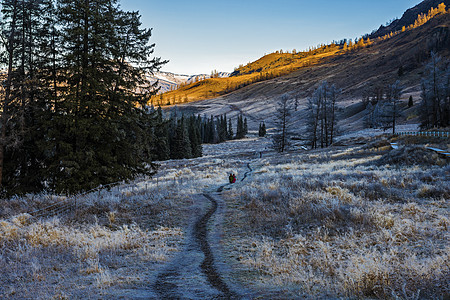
[359,73]
[409,48]
[168,81]
[270,66]
[409,17]
[356,72]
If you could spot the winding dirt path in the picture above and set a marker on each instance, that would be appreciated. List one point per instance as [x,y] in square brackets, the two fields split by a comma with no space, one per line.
[193,274]
[248,172]
[208,267]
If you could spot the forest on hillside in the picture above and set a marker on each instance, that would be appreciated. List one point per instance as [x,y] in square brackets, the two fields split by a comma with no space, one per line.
[74,111]
[74,95]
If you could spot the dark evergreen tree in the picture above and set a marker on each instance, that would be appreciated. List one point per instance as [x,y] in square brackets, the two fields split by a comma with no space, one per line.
[161,135]
[75,95]
[181,146]
[194,137]
[262,129]
[230,130]
[400,71]
[213,133]
[240,131]
[205,130]
[102,120]
[410,102]
[245,127]
[26,100]
[224,126]
[221,129]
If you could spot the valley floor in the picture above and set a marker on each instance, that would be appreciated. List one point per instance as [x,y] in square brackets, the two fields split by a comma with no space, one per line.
[358,221]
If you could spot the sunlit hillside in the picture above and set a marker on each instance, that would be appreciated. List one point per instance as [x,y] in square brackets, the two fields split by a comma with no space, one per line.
[282,63]
[268,67]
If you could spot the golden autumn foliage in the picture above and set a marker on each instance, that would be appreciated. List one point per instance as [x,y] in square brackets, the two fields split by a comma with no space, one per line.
[273,65]
[421,19]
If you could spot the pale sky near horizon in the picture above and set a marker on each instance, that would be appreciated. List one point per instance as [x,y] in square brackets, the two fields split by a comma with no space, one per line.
[199,36]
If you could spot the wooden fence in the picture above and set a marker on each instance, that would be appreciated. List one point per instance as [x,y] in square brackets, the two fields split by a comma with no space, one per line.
[425,133]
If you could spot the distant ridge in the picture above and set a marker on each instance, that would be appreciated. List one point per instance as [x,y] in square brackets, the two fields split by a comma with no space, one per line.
[170,81]
[409,16]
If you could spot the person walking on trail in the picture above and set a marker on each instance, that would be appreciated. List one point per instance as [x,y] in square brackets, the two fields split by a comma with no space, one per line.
[232,178]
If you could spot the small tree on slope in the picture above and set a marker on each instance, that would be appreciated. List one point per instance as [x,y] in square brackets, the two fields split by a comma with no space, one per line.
[280,139]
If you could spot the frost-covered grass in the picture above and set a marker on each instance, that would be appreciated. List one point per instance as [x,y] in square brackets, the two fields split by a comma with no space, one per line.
[332,223]
[114,240]
[341,223]
[111,240]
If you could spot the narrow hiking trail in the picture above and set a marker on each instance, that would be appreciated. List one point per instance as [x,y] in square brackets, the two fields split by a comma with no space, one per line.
[196,272]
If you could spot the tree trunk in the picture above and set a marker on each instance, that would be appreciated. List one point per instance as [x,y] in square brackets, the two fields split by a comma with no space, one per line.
[333,112]
[316,123]
[10,50]
[283,133]
[394,116]
[325,114]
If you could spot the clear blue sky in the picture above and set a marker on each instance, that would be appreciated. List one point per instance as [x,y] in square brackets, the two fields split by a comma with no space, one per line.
[199,36]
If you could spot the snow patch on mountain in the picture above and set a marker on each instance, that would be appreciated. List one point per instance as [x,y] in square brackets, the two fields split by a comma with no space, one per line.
[168,81]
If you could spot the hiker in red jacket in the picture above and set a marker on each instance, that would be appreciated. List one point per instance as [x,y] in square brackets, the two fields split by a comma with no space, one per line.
[233,178]
[230,178]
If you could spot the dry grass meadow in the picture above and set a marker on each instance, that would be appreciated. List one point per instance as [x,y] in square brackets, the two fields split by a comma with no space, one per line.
[346,222]
[343,223]
[110,241]
[115,241]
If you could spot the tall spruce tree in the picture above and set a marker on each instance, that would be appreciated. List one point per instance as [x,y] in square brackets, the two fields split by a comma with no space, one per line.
[105,55]
[73,108]
[245,126]
[240,130]
[25,36]
[213,133]
[161,134]
[262,129]
[181,146]
[194,137]
[222,128]
[10,33]
[410,102]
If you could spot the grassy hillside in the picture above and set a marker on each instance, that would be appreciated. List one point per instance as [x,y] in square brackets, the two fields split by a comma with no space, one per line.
[356,68]
[268,67]
[364,70]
